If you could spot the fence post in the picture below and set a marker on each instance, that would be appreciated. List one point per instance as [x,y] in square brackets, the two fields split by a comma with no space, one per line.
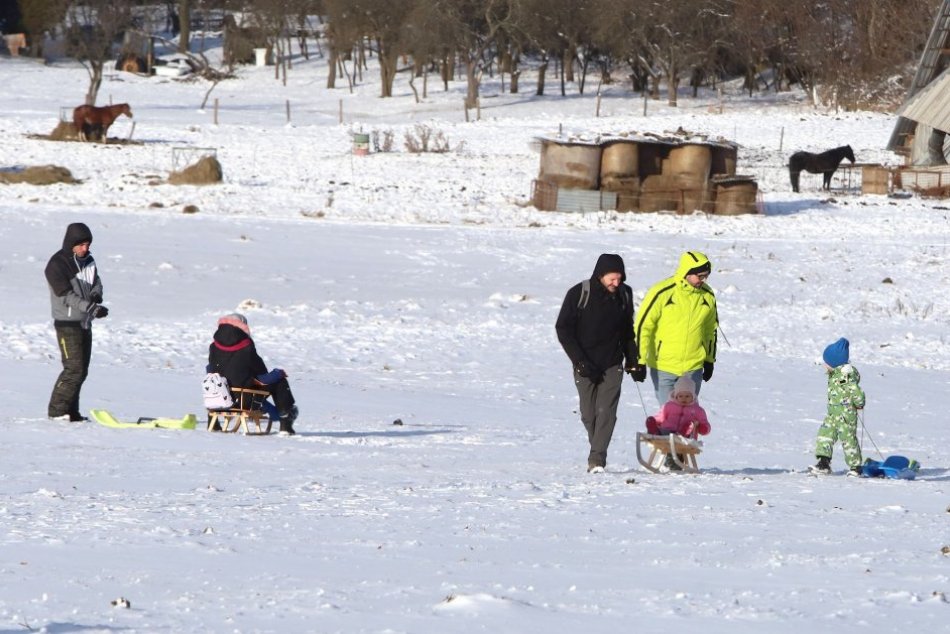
[288,110]
[597,113]
[216,111]
[341,112]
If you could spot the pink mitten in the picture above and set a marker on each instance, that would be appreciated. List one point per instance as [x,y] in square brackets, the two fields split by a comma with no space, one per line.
[652,427]
[689,430]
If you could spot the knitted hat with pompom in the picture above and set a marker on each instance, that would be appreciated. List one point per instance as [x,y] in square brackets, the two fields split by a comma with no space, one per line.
[684,384]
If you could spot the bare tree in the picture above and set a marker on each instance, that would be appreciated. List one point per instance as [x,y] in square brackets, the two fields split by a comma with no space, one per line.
[39,17]
[93,26]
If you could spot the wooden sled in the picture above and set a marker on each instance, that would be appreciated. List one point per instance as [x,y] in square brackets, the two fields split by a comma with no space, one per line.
[247,408]
[672,445]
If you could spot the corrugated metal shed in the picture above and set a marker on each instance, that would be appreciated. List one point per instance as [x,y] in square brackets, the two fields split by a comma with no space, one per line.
[931,105]
[933,61]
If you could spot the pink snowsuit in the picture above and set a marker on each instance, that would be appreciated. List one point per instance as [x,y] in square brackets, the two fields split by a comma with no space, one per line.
[677,419]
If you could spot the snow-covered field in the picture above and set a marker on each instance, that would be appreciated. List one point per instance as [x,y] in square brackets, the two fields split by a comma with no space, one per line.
[422,288]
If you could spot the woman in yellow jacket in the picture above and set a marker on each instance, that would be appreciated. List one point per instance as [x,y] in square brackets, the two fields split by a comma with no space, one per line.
[676,326]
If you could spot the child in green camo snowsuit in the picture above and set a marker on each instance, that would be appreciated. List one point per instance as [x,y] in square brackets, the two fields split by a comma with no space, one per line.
[845,398]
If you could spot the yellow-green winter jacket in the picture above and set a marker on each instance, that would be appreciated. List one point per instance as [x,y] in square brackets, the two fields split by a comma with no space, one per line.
[676,325]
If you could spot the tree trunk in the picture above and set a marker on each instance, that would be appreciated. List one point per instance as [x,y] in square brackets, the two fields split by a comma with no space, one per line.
[387,72]
[567,61]
[331,68]
[95,81]
[515,73]
[672,81]
[542,71]
[184,21]
[472,81]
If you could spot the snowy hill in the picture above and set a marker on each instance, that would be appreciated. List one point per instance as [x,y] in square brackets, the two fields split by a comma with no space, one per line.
[420,287]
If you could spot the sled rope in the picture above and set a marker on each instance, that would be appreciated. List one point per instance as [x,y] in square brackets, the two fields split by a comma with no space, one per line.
[864,430]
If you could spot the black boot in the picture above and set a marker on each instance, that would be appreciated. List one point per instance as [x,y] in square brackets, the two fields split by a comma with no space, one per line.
[287,421]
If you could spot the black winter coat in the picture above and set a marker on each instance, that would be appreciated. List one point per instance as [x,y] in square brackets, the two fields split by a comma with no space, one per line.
[601,333]
[233,355]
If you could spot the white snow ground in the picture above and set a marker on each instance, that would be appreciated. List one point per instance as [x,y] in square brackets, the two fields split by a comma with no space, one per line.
[421,288]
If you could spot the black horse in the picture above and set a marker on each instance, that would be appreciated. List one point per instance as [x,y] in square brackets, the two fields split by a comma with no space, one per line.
[825,163]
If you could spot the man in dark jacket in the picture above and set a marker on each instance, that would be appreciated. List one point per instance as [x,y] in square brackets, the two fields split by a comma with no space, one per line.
[595,328]
[234,356]
[76,299]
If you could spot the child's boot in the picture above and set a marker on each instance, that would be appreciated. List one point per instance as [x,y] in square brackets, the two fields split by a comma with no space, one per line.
[823,465]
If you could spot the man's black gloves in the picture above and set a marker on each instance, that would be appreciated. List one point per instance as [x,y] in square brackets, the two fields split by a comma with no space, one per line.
[637,372]
[100,311]
[707,370]
[589,371]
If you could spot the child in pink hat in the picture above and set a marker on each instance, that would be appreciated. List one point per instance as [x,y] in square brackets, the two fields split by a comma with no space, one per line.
[681,414]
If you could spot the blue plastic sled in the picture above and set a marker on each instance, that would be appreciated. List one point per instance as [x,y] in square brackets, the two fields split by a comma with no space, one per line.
[894,467]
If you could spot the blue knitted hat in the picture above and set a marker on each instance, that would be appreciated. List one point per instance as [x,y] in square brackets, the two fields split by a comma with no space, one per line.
[836,354]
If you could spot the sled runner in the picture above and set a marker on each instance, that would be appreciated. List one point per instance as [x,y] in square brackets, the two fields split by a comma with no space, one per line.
[681,450]
[103,417]
[247,407]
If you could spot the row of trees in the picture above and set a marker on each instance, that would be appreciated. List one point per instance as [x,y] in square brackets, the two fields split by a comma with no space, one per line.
[851,52]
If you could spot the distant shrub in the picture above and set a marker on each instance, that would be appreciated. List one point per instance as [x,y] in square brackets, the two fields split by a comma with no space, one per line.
[423,138]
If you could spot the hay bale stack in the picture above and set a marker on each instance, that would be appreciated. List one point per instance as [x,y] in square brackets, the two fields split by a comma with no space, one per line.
[38,175]
[570,165]
[206,171]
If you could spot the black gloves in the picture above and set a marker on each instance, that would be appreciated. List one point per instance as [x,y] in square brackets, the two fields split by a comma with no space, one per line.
[637,372]
[95,298]
[100,311]
[707,370]
[589,371]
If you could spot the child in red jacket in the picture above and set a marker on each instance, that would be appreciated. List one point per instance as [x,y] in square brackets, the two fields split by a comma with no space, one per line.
[681,414]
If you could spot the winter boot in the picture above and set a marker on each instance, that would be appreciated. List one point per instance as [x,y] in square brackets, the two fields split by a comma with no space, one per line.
[287,421]
[856,471]
[823,465]
[670,463]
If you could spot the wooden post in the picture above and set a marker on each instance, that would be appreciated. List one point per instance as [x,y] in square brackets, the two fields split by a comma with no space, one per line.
[720,99]
[465,107]
[478,108]
[781,139]
[216,111]
[597,112]
[645,102]
[132,130]
[288,110]
[341,112]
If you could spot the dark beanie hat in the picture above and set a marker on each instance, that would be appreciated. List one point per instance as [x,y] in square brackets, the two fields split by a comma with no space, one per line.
[705,267]
[836,354]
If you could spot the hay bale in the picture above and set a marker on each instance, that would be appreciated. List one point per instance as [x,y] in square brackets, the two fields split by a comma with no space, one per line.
[570,165]
[690,159]
[736,196]
[681,194]
[619,159]
[38,175]
[206,171]
[64,131]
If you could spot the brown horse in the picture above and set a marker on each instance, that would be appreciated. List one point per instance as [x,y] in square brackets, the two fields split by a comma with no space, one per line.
[92,122]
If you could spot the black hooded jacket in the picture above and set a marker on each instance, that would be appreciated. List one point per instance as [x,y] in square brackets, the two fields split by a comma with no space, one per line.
[233,355]
[601,333]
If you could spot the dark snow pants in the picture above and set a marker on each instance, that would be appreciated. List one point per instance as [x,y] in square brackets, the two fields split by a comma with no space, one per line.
[598,404]
[75,349]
